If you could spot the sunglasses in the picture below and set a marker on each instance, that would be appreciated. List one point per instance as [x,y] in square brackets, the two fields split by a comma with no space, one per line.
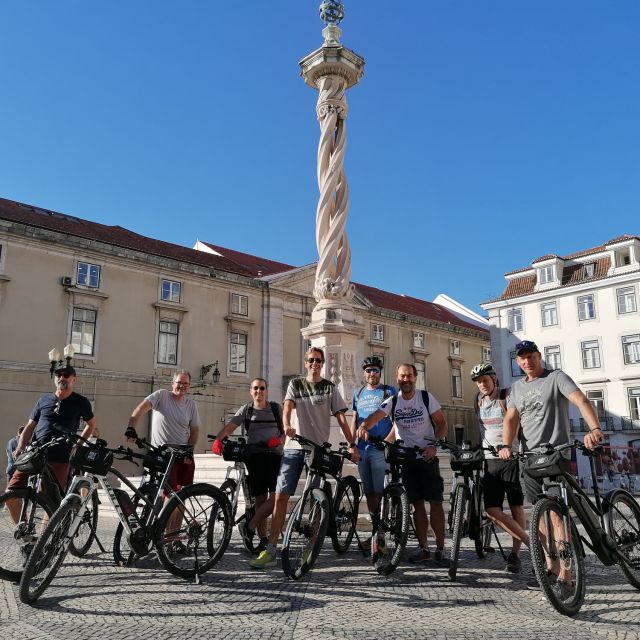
[312,360]
[63,375]
[181,384]
[372,370]
[259,388]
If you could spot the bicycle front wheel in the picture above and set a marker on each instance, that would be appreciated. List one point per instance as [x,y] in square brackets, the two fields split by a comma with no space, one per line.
[345,513]
[86,533]
[18,539]
[305,533]
[623,525]
[476,531]
[460,523]
[193,530]
[557,556]
[123,554]
[389,538]
[49,552]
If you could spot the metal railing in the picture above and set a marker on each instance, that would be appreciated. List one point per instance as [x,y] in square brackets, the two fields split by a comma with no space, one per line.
[629,424]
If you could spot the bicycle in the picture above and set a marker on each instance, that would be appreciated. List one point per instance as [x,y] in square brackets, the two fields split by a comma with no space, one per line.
[611,524]
[189,533]
[38,500]
[319,511]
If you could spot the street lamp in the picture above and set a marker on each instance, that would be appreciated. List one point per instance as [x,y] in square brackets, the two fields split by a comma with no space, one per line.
[55,359]
[215,376]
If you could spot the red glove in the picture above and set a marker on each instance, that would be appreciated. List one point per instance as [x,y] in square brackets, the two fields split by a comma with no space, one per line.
[216,447]
[274,442]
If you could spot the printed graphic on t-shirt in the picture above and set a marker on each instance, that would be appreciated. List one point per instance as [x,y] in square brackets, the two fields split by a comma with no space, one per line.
[531,407]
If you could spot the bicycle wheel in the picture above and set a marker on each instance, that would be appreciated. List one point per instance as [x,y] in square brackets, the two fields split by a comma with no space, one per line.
[49,552]
[554,550]
[623,525]
[228,487]
[123,554]
[193,530]
[18,539]
[476,532]
[460,522]
[86,533]
[389,538]
[345,513]
[305,533]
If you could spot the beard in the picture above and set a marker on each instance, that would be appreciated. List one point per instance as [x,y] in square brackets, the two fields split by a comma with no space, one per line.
[62,385]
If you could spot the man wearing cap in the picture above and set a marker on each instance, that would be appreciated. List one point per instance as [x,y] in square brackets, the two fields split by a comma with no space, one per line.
[54,412]
[539,403]
[367,400]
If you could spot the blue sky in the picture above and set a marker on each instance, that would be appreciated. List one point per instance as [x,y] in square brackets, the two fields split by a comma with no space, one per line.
[484,134]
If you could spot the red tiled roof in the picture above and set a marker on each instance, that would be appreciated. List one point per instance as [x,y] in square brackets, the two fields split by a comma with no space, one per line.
[547,257]
[256,265]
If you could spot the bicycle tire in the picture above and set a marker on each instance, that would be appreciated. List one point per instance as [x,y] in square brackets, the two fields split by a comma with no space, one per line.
[49,552]
[251,539]
[305,533]
[86,533]
[229,488]
[123,554]
[204,530]
[392,529]
[460,516]
[345,513]
[564,598]
[14,551]
[623,525]
[476,530]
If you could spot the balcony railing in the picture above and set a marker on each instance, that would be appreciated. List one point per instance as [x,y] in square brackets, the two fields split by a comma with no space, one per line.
[629,424]
[578,425]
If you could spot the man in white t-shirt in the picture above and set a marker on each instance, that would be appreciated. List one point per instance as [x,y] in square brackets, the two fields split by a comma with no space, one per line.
[417,415]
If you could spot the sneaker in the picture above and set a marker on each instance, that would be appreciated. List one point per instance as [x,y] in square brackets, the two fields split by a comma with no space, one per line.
[563,590]
[365,545]
[265,559]
[262,545]
[306,555]
[246,533]
[177,547]
[419,555]
[441,559]
[514,564]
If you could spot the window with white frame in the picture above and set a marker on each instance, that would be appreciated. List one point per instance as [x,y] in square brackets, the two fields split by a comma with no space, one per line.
[167,342]
[626,299]
[418,339]
[516,371]
[589,270]
[454,347]
[486,354]
[88,275]
[547,274]
[586,307]
[377,332]
[633,394]
[420,378]
[83,331]
[549,313]
[238,352]
[596,398]
[239,304]
[631,348]
[552,357]
[623,257]
[456,383]
[170,291]
[590,354]
[514,319]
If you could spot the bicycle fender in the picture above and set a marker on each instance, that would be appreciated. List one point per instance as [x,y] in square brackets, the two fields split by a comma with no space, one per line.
[73,498]
[396,490]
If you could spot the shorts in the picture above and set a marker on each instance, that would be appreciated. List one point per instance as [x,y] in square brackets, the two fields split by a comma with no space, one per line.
[60,471]
[532,487]
[423,481]
[372,468]
[182,474]
[290,471]
[263,471]
[502,477]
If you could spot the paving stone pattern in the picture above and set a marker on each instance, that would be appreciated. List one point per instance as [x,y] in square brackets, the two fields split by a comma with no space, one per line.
[342,598]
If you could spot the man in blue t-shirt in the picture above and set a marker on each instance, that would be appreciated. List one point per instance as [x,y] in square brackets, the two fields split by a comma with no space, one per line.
[366,401]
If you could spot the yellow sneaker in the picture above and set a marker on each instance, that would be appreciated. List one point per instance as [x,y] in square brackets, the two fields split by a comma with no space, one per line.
[264,560]
[306,555]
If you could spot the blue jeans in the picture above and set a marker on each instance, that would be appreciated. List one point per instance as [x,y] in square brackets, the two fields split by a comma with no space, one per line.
[372,467]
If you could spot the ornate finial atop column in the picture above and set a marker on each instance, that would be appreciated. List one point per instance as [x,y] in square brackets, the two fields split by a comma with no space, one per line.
[332,14]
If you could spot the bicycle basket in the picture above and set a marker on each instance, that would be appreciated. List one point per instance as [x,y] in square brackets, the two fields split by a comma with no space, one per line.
[545,465]
[31,461]
[466,460]
[92,460]
[400,455]
[233,451]
[326,462]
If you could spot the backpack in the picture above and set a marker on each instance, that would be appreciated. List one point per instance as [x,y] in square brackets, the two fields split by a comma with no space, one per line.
[502,399]
[275,409]
[425,401]
[386,393]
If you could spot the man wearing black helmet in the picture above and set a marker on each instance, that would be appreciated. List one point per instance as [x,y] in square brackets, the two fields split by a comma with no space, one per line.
[367,400]
[501,476]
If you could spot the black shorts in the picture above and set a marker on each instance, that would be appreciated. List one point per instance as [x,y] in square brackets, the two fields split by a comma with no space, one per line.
[502,477]
[263,471]
[423,481]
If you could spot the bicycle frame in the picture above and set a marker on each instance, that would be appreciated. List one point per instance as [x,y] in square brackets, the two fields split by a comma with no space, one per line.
[238,473]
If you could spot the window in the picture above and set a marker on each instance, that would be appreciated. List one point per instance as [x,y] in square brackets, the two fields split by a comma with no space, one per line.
[514,319]
[456,383]
[88,275]
[516,371]
[626,300]
[377,332]
[589,270]
[168,343]
[239,304]
[590,354]
[623,257]
[549,314]
[547,274]
[420,379]
[596,398]
[486,354]
[238,352]
[418,339]
[552,357]
[634,403]
[170,291]
[631,348]
[455,347]
[83,331]
[586,307]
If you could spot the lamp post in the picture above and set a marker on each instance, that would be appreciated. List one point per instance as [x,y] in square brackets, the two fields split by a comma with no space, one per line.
[55,360]
[215,376]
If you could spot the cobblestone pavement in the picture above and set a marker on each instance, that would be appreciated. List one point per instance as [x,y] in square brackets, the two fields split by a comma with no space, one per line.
[341,598]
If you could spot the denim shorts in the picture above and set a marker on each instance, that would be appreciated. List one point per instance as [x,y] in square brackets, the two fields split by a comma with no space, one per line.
[290,471]
[372,467]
